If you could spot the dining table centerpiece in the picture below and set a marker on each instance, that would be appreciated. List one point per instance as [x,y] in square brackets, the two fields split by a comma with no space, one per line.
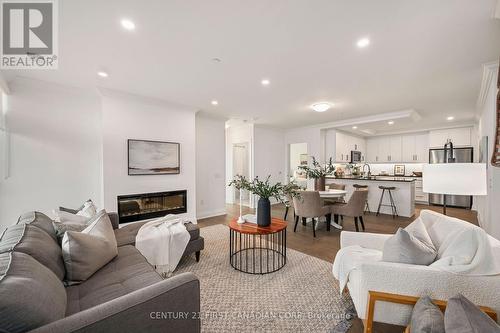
[318,172]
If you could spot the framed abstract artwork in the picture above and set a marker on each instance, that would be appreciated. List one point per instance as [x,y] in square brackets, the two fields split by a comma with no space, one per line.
[147,157]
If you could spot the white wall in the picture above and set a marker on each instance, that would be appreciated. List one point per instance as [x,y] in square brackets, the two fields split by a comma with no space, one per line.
[130,117]
[270,154]
[210,166]
[55,149]
[238,134]
[488,207]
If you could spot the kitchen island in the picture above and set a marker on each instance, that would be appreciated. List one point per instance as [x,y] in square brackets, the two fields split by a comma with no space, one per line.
[404,194]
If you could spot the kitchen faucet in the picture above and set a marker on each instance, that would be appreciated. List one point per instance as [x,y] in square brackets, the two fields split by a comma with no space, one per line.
[369,169]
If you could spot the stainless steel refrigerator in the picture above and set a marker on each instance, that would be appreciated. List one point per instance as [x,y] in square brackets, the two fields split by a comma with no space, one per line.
[462,155]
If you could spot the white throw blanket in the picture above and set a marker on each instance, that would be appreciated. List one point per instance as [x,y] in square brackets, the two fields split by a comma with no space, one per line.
[162,242]
[348,259]
[468,252]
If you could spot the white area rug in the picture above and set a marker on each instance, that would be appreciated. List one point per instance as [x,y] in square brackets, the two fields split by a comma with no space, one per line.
[301,297]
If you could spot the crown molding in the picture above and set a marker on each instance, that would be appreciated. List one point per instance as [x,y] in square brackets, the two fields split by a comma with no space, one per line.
[489,71]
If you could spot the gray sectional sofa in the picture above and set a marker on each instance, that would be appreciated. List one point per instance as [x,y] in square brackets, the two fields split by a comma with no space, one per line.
[126,295]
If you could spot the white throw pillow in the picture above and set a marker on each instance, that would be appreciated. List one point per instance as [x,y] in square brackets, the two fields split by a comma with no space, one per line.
[63,217]
[86,252]
[89,209]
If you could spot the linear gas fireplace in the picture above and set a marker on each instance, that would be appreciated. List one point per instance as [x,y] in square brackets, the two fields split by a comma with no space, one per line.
[144,206]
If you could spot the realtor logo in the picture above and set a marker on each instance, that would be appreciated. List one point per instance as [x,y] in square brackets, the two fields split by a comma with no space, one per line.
[29,34]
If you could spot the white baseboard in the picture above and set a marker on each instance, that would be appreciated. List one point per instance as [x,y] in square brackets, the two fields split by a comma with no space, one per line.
[204,215]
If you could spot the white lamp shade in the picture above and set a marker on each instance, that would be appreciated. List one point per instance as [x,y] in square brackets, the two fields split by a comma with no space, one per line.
[455,178]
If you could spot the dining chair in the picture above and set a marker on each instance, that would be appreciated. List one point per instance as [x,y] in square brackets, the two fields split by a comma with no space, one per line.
[353,208]
[310,205]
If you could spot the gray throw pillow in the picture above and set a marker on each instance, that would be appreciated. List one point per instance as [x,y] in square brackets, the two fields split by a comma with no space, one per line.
[405,249]
[29,239]
[31,295]
[463,316]
[86,252]
[426,317]
[39,220]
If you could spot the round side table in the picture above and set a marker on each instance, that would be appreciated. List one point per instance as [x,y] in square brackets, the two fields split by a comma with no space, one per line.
[257,250]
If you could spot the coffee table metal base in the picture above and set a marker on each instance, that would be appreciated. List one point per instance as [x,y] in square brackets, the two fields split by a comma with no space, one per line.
[257,254]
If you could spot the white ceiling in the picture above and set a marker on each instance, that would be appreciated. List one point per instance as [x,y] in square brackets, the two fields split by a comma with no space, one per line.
[424,55]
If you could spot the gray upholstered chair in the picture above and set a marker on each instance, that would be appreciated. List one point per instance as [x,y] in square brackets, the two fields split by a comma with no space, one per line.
[353,208]
[310,205]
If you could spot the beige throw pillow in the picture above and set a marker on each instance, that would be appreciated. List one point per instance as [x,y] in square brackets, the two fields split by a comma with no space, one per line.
[87,251]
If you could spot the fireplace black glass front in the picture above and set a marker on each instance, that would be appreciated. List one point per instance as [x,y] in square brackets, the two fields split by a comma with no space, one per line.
[145,206]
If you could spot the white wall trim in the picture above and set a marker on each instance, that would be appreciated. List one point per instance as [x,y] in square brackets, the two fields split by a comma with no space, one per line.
[205,215]
[489,71]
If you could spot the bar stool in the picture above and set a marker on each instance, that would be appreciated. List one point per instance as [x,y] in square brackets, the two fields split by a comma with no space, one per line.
[392,204]
[363,188]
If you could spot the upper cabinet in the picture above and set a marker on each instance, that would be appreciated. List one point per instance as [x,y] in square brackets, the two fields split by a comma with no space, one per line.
[345,143]
[415,148]
[411,148]
[461,137]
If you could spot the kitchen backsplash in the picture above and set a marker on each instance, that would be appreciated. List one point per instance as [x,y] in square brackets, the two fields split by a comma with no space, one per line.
[377,168]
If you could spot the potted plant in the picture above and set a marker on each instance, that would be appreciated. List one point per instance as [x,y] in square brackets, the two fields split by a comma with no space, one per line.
[318,172]
[265,190]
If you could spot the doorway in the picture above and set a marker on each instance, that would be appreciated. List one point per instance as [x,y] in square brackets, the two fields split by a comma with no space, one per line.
[241,167]
[298,156]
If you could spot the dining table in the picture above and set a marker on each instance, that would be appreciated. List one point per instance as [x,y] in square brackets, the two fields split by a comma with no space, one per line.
[333,194]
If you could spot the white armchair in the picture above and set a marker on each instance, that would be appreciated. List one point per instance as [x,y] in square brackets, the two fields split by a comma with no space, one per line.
[415,280]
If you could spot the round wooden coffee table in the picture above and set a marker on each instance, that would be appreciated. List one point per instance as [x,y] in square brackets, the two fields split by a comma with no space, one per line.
[257,250]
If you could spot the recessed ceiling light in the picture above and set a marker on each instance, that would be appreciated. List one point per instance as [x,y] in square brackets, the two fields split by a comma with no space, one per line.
[450,118]
[265,82]
[102,74]
[214,102]
[363,42]
[391,122]
[321,106]
[127,24]
[355,127]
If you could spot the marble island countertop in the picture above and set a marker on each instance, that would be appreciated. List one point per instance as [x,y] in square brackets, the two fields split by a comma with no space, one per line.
[405,179]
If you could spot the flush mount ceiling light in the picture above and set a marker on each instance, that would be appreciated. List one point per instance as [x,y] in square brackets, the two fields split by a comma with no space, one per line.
[265,82]
[321,106]
[363,42]
[102,74]
[450,118]
[127,24]
[214,102]
[355,127]
[391,122]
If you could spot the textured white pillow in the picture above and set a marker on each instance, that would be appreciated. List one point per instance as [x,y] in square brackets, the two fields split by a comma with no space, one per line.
[89,209]
[86,252]
[63,217]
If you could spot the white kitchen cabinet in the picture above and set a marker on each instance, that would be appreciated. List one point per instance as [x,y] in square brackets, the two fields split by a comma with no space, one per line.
[422,148]
[395,148]
[372,150]
[415,148]
[345,143]
[420,195]
[461,137]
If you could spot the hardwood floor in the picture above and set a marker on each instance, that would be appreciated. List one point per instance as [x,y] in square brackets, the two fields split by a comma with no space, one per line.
[326,244]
